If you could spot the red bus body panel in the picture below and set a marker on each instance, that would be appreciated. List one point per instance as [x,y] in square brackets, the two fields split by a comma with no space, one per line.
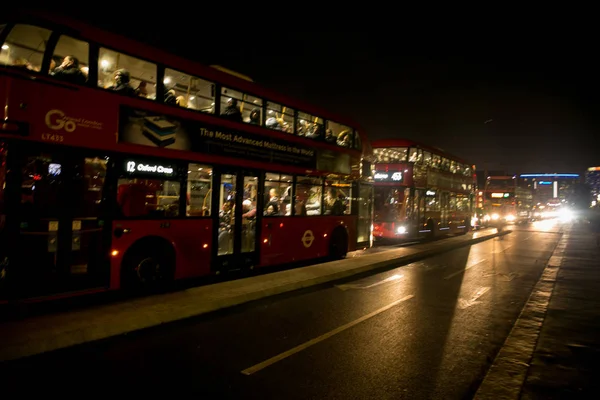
[191,239]
[285,240]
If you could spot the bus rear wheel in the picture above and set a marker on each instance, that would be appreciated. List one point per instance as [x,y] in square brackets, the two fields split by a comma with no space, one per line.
[148,267]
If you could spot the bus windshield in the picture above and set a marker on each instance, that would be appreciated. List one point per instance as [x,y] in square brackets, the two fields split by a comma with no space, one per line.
[389,204]
[500,184]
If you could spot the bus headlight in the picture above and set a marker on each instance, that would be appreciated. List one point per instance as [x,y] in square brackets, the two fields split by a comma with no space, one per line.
[510,218]
[401,230]
[495,217]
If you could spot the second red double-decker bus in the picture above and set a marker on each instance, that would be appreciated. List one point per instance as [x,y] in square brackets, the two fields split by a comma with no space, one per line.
[505,202]
[122,164]
[420,191]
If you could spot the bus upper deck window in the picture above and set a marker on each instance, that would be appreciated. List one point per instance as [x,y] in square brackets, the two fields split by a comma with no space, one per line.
[24,47]
[128,75]
[309,125]
[70,60]
[189,91]
[241,107]
[280,117]
[343,134]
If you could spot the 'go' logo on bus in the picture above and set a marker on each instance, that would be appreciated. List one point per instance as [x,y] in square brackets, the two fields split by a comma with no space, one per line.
[56,120]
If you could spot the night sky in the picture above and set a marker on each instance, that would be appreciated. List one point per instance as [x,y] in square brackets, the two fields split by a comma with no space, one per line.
[539,90]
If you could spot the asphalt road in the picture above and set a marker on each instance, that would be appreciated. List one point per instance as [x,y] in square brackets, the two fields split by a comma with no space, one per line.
[430,329]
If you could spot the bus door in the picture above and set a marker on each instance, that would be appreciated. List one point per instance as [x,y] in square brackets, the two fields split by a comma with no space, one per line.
[444,210]
[418,216]
[236,227]
[59,229]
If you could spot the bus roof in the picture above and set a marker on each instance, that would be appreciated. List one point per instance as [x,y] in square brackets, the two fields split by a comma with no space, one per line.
[386,143]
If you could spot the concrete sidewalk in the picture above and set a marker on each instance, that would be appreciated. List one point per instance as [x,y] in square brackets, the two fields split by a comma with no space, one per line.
[553,351]
[50,332]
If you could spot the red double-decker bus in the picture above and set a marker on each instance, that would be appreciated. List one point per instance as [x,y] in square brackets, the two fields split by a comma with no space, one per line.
[123,165]
[505,202]
[420,191]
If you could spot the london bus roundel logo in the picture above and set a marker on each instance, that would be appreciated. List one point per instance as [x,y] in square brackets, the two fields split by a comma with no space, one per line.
[56,120]
[308,238]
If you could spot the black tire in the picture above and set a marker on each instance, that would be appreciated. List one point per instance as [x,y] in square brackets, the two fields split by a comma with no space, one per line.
[148,267]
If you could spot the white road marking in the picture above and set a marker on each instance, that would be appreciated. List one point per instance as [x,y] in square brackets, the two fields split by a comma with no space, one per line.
[462,303]
[510,276]
[285,354]
[506,277]
[462,271]
[358,286]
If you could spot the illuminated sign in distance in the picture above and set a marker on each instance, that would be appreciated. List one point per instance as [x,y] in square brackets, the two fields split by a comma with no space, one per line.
[133,166]
[430,193]
[385,176]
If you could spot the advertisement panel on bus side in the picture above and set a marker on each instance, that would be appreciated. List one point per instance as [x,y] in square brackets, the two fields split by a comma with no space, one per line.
[151,129]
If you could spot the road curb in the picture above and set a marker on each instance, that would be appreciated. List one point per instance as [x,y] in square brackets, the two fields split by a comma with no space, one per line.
[508,372]
[52,332]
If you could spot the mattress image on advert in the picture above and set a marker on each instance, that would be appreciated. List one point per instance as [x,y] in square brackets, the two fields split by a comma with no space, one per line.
[159,130]
[148,128]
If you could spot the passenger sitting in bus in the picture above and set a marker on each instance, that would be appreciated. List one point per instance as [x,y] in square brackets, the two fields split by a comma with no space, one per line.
[270,211]
[22,63]
[255,117]
[232,111]
[272,123]
[69,71]
[248,209]
[121,84]
[329,136]
[142,90]
[338,207]
[344,139]
[273,199]
[171,97]
[314,131]
[181,102]
[300,208]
